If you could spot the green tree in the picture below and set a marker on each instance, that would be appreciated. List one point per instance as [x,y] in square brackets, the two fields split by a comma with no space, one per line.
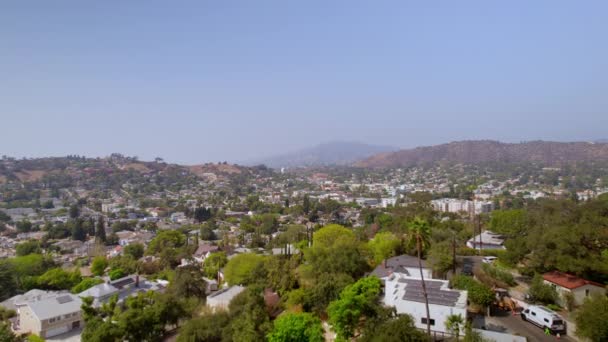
[135,250]
[297,327]
[6,334]
[207,328]
[58,279]
[78,231]
[453,324]
[508,222]
[86,284]
[383,246]
[74,211]
[99,265]
[306,204]
[188,282]
[100,232]
[240,269]
[213,263]
[478,293]
[541,292]
[8,283]
[24,226]
[419,232]
[117,273]
[356,301]
[390,329]
[249,317]
[28,247]
[591,319]
[335,249]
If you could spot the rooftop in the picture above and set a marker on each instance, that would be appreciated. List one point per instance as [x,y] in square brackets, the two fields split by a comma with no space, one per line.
[568,281]
[55,306]
[438,292]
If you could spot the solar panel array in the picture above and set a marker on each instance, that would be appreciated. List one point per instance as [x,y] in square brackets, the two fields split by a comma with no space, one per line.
[122,283]
[435,295]
[64,299]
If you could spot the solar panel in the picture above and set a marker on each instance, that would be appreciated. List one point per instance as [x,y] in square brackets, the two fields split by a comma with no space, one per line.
[64,299]
[435,295]
[122,283]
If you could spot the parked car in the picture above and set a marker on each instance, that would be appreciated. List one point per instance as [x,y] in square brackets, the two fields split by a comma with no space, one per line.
[544,318]
[467,269]
[489,259]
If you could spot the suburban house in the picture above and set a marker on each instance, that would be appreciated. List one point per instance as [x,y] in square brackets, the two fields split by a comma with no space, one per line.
[565,283]
[405,294]
[49,316]
[404,264]
[203,251]
[127,237]
[124,287]
[221,299]
[487,240]
[20,300]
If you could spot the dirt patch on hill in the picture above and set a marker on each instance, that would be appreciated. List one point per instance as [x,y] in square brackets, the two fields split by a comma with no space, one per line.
[201,170]
[30,175]
[137,167]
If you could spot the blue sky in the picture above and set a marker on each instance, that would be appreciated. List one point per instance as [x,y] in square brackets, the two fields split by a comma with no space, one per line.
[195,81]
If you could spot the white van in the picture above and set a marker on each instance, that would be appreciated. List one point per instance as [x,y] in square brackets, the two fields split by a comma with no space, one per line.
[544,318]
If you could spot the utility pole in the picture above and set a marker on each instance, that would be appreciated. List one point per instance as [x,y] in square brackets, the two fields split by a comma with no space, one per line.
[454,254]
[480,239]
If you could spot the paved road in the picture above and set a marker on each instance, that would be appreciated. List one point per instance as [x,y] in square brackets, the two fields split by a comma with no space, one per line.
[505,322]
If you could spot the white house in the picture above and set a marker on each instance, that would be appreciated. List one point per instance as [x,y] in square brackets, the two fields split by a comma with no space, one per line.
[405,294]
[486,240]
[49,316]
[221,299]
[565,283]
[404,264]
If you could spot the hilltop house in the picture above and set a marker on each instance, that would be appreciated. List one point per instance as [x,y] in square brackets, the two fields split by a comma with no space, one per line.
[486,240]
[404,264]
[404,292]
[221,299]
[565,284]
[49,316]
[123,288]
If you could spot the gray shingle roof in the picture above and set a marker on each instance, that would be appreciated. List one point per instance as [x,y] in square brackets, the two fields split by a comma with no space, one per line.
[55,306]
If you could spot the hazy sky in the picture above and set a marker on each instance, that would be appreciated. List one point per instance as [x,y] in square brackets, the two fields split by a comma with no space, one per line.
[232,80]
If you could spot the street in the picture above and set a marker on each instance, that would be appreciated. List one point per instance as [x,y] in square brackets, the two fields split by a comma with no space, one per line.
[503,321]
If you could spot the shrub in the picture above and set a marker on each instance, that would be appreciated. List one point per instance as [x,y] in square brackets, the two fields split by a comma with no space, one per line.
[499,275]
[541,292]
[478,293]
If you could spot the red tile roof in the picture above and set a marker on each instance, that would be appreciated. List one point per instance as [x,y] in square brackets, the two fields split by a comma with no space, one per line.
[568,281]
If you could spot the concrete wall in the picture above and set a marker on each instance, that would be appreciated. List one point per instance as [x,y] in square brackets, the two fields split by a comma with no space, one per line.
[28,322]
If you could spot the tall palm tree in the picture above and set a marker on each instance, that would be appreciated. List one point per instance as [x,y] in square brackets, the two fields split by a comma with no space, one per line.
[419,236]
[453,324]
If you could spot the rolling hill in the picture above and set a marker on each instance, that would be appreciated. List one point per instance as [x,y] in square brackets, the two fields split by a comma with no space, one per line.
[483,151]
[331,153]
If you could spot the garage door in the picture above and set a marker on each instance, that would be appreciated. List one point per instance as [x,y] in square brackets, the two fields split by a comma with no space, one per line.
[57,331]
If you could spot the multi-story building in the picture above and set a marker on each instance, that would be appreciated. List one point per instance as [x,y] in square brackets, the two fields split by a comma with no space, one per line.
[50,316]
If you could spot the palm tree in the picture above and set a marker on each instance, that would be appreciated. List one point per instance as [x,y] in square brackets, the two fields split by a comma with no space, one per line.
[453,324]
[419,235]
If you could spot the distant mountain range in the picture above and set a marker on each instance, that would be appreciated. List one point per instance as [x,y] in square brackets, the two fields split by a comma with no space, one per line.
[483,151]
[331,153]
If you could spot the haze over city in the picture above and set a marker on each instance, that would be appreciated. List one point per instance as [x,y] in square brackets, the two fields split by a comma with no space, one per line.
[213,81]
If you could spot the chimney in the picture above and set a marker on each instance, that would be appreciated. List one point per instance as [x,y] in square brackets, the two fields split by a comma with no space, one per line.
[137,280]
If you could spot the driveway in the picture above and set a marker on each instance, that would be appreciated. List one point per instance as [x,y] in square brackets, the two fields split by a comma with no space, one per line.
[502,321]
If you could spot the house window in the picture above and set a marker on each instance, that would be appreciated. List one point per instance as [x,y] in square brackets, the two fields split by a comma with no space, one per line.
[424,321]
[587,293]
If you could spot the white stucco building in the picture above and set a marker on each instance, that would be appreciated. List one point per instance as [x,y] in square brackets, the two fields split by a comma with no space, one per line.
[405,294]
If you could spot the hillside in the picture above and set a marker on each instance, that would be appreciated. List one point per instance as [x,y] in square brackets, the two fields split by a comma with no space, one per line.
[483,151]
[331,153]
